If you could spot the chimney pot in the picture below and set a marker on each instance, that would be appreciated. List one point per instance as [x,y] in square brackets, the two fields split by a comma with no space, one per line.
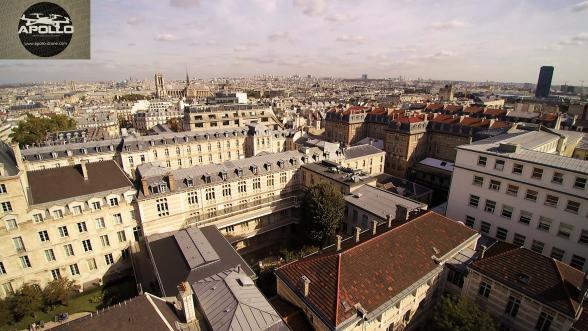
[83,164]
[338,242]
[389,219]
[305,285]
[357,232]
[144,187]
[374,227]
[171,182]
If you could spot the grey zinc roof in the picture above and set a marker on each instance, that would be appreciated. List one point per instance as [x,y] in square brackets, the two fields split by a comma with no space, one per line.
[528,140]
[380,202]
[360,151]
[195,248]
[230,301]
[97,146]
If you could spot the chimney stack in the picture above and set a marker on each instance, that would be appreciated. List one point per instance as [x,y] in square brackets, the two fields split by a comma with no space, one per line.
[171,182]
[83,164]
[186,301]
[389,219]
[374,227]
[305,285]
[144,187]
[401,213]
[338,242]
[357,232]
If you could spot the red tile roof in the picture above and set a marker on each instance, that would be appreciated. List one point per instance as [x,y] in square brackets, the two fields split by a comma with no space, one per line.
[550,282]
[434,106]
[472,110]
[410,119]
[494,111]
[453,108]
[373,271]
[549,117]
[445,119]
[500,124]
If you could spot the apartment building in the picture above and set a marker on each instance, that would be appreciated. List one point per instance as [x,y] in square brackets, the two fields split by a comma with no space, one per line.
[519,188]
[366,282]
[159,112]
[206,117]
[72,221]
[523,290]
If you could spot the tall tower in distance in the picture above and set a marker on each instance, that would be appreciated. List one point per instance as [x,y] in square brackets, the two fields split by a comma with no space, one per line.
[544,82]
[159,86]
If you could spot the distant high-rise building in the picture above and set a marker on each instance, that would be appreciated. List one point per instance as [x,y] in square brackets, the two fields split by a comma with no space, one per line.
[364,77]
[544,82]
[446,93]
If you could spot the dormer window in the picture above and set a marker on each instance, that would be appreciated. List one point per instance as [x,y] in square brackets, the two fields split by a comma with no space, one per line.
[254,169]
[189,182]
[162,188]
[84,151]
[111,148]
[281,163]
[239,172]
[151,142]
[39,157]
[54,155]
[207,179]
[186,139]
[268,166]
[223,175]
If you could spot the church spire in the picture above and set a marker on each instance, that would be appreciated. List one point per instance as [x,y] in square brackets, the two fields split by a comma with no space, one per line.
[187,77]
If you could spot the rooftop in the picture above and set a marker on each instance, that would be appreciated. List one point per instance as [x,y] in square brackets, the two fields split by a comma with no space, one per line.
[360,151]
[380,202]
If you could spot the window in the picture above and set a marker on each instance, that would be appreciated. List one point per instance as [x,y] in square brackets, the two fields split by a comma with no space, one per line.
[557,253]
[537,246]
[494,185]
[113,202]
[11,224]
[565,230]
[573,207]
[108,258]
[490,206]
[525,217]
[58,214]
[482,161]
[256,183]
[531,195]
[551,200]
[63,231]
[49,255]
[100,224]
[485,227]
[578,262]
[122,237]
[484,289]
[162,208]
[242,186]
[38,218]
[283,179]
[25,262]
[192,198]
[226,190]
[209,194]
[512,190]
[474,200]
[43,235]
[91,264]
[77,210]
[544,322]
[270,180]
[68,250]
[583,237]
[557,178]
[117,219]
[517,169]
[2,269]
[455,277]
[105,241]
[478,181]
[18,244]
[470,221]
[96,205]
[580,183]
[82,227]
[501,233]
[519,240]
[6,206]
[512,307]
[506,211]
[2,189]
[499,165]
[544,224]
[124,253]
[55,274]
[87,245]
[537,173]
[74,270]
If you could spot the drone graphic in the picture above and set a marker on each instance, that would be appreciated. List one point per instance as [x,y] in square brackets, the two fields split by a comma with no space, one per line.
[53,20]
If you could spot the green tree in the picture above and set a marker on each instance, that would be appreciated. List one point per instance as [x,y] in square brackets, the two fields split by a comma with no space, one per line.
[322,213]
[58,292]
[34,130]
[459,314]
[26,300]
[5,313]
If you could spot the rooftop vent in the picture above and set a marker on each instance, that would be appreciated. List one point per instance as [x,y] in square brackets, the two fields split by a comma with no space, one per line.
[508,148]
[523,278]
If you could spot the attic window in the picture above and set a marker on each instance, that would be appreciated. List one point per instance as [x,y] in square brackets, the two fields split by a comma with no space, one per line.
[443,163]
[189,182]
[207,179]
[223,175]
[151,142]
[84,151]
[281,163]
[54,155]
[186,139]
[268,166]
[254,169]
[239,172]
[523,278]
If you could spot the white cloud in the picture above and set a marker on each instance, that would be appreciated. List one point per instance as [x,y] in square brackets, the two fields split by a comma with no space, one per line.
[279,36]
[134,20]
[582,6]
[356,39]
[165,37]
[184,3]
[312,7]
[338,18]
[576,40]
[438,55]
[447,25]
[240,48]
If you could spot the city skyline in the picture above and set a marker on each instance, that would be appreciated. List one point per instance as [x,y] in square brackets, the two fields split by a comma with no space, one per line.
[449,40]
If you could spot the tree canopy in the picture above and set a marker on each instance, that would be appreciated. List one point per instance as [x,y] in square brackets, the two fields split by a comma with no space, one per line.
[26,300]
[34,130]
[459,314]
[322,212]
[58,292]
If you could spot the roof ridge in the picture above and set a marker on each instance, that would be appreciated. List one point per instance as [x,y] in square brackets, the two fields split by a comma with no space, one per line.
[500,254]
[338,288]
[561,278]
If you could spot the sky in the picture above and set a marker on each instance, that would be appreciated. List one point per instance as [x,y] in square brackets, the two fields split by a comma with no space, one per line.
[475,40]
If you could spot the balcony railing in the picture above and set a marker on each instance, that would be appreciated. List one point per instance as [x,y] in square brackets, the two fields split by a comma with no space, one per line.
[283,201]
